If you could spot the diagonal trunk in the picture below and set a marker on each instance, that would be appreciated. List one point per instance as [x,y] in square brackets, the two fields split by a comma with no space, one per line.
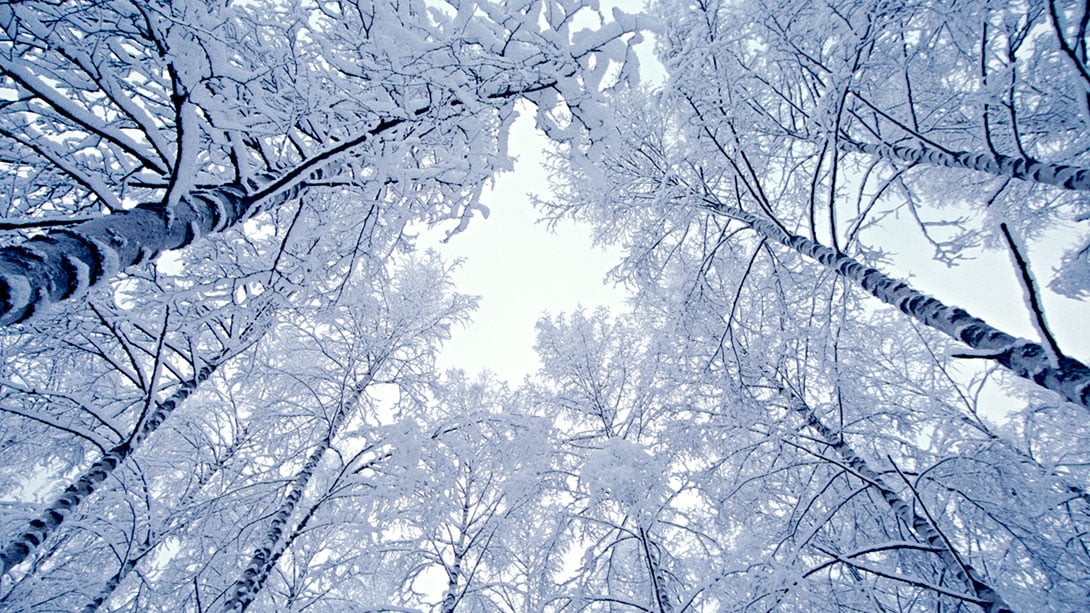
[268,552]
[1029,360]
[39,529]
[246,588]
[1060,175]
[905,511]
[62,263]
[153,540]
[282,548]
[134,557]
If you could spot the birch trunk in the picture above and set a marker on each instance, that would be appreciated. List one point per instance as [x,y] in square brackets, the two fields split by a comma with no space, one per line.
[987,597]
[268,552]
[153,540]
[655,572]
[283,547]
[1027,359]
[1059,175]
[39,529]
[450,595]
[63,263]
[454,573]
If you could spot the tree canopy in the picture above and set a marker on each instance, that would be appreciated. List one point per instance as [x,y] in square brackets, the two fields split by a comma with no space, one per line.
[780,420]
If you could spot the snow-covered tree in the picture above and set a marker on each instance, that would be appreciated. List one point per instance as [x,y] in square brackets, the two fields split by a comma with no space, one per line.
[139,127]
[218,380]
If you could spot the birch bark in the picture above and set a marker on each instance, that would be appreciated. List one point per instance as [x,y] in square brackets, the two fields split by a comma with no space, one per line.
[265,556]
[985,594]
[1027,359]
[1059,175]
[39,529]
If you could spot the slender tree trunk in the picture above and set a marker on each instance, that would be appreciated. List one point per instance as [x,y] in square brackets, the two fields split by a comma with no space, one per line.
[154,540]
[283,547]
[655,572]
[1059,175]
[268,552]
[253,577]
[450,596]
[454,573]
[39,529]
[1027,359]
[905,511]
[115,581]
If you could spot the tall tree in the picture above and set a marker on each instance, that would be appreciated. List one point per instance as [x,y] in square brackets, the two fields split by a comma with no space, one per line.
[165,372]
[699,161]
[181,119]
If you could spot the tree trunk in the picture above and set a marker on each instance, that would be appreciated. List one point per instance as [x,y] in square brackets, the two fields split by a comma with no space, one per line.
[253,576]
[454,573]
[990,599]
[39,529]
[153,540]
[63,263]
[266,555]
[1027,359]
[657,576]
[1059,175]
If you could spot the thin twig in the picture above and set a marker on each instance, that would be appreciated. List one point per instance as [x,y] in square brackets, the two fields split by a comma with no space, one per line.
[1033,300]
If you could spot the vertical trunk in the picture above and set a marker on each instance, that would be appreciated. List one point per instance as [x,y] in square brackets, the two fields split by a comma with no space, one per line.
[242,593]
[454,573]
[1029,360]
[39,529]
[450,596]
[655,572]
[1059,175]
[906,513]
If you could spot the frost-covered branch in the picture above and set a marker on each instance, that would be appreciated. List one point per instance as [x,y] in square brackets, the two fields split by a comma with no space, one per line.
[1033,299]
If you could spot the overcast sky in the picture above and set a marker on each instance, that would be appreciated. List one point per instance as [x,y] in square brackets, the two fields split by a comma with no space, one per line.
[521,269]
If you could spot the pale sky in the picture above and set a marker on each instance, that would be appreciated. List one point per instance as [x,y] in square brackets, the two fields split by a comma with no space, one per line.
[520,269]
